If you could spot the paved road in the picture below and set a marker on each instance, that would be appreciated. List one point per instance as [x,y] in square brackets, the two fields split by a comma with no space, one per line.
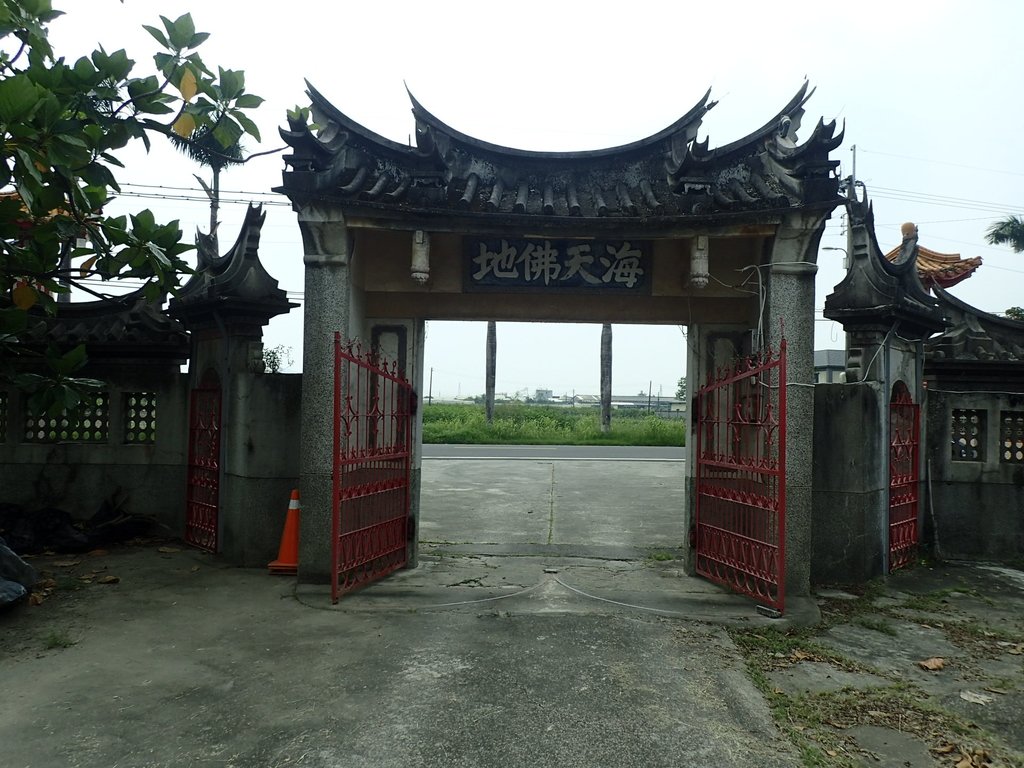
[555,452]
[547,504]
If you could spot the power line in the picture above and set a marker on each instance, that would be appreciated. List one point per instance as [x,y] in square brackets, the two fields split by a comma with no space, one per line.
[203,198]
[889,193]
[940,162]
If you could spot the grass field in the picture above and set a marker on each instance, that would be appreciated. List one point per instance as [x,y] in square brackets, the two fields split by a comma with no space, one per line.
[520,424]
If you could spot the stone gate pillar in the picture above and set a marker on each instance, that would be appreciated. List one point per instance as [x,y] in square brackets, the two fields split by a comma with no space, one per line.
[225,305]
[329,306]
[886,313]
[789,313]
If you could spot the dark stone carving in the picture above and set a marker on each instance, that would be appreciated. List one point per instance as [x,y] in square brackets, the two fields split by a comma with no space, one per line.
[878,297]
[977,350]
[234,287]
[877,292]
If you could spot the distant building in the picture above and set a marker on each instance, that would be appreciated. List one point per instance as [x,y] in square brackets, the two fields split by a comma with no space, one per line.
[829,366]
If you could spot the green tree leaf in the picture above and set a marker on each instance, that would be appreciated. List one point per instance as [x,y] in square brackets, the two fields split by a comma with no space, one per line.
[18,98]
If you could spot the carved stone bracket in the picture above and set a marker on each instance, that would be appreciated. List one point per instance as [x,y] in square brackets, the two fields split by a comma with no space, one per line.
[326,239]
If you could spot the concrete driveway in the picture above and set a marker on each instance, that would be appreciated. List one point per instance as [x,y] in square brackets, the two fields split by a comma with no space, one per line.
[569,649]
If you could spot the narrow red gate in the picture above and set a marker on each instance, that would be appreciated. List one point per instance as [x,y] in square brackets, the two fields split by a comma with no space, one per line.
[373,409]
[904,444]
[741,477]
[203,498]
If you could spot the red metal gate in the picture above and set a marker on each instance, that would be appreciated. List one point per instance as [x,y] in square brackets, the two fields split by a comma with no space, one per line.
[373,409]
[741,477]
[203,499]
[904,444]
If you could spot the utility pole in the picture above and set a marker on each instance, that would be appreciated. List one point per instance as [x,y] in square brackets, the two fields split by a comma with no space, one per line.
[852,192]
[606,377]
[492,356]
[430,387]
[650,386]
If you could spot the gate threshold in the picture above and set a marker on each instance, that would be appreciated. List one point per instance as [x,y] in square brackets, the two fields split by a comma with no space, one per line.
[589,551]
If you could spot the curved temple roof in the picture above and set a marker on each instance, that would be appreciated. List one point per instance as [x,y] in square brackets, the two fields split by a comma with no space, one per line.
[974,337]
[942,269]
[668,175]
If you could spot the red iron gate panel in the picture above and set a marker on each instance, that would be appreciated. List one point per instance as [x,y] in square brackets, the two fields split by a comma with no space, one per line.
[373,406]
[904,445]
[201,511]
[741,477]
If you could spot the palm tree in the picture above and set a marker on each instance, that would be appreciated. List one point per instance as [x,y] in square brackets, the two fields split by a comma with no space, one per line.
[203,147]
[1008,231]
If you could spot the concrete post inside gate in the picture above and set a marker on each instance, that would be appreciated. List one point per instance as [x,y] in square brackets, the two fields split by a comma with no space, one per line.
[403,341]
[331,304]
[708,347]
[791,300]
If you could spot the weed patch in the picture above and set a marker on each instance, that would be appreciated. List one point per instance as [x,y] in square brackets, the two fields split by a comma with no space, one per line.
[519,424]
[57,638]
[876,624]
[661,557]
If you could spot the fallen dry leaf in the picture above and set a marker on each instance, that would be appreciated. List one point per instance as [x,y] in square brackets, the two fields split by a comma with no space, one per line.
[965,762]
[97,553]
[975,698]
[36,598]
[168,550]
[109,579]
[945,749]
[799,655]
[66,563]
[195,568]
[831,753]
[1000,691]
[933,664]
[46,584]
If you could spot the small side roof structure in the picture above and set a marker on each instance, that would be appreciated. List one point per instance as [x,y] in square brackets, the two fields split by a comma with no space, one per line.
[235,284]
[128,328]
[939,269]
[882,290]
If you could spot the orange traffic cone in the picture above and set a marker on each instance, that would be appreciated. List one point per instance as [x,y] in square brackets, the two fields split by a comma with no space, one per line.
[288,554]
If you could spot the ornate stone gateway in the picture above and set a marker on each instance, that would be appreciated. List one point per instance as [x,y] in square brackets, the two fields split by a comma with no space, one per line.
[664,230]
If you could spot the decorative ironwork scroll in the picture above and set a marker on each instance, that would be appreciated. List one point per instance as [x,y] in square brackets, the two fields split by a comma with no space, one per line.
[741,477]
[373,409]
[203,500]
[904,477]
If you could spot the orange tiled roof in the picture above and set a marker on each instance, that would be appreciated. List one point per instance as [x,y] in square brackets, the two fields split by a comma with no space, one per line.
[942,269]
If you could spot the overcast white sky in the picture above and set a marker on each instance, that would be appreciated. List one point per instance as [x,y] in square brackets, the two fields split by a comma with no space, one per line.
[929,95]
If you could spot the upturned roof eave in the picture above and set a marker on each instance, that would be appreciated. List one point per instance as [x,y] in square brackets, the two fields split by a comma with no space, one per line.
[320,102]
[472,145]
